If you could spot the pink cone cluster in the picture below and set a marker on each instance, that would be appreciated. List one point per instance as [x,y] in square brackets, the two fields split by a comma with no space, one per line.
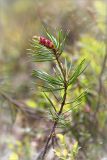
[46,42]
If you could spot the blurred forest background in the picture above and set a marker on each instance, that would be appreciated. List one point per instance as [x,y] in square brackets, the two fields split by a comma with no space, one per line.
[24,122]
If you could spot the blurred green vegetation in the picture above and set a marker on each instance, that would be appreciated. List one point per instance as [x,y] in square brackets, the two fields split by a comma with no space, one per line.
[23,130]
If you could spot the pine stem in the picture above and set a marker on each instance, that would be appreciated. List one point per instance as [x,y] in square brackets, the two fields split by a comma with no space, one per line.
[61,107]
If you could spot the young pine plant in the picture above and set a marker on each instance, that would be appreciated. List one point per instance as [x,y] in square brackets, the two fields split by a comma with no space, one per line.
[59,84]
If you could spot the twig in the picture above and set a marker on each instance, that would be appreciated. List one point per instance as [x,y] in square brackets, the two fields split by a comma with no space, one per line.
[41,152]
[102,72]
[101,82]
[22,106]
[61,107]
[16,103]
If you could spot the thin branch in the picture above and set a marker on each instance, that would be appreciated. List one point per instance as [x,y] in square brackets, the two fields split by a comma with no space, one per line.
[22,106]
[101,82]
[102,72]
[16,103]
